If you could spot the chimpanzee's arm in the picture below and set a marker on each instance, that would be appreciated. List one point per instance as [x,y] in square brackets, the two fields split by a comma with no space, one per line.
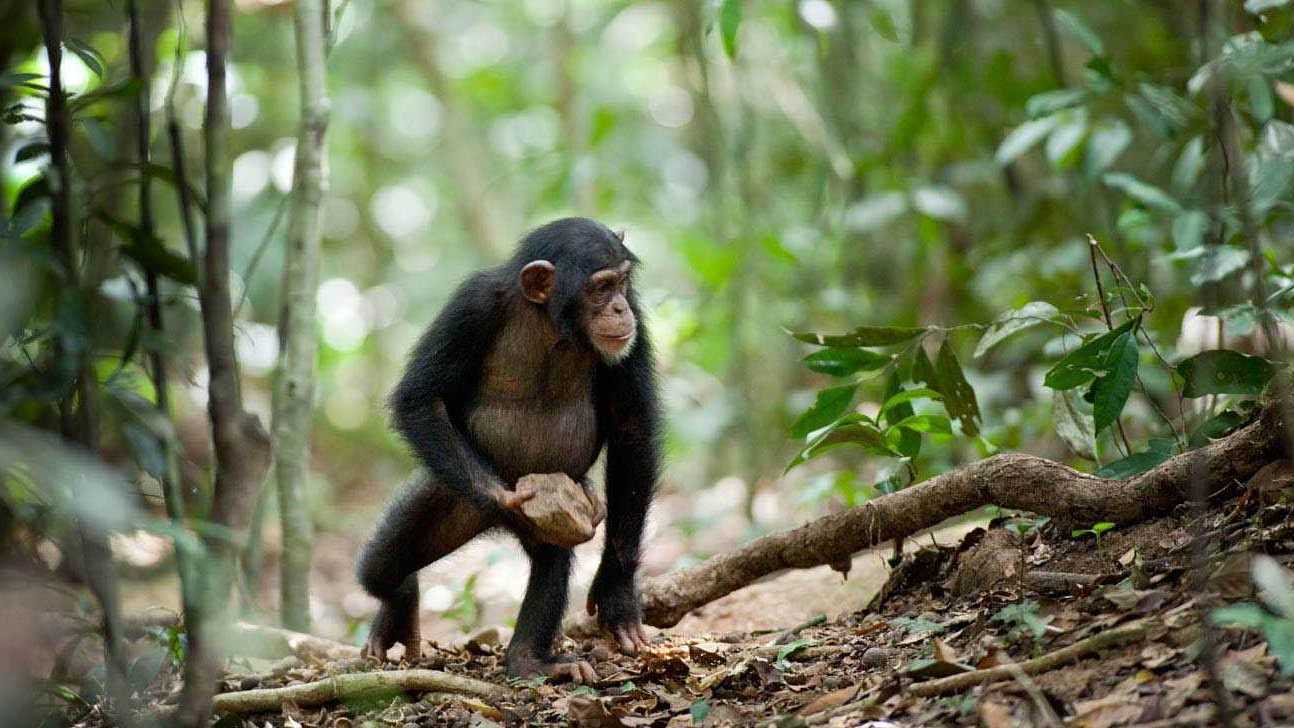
[443,372]
[629,419]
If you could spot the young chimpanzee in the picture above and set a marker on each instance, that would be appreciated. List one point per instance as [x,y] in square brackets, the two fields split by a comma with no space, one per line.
[532,367]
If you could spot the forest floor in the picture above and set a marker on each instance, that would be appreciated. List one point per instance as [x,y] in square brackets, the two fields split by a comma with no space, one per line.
[991,628]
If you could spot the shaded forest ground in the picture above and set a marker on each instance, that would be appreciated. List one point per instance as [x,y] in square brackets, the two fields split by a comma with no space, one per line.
[1120,618]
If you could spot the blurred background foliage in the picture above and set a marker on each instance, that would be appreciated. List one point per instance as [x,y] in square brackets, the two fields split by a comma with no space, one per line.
[779,166]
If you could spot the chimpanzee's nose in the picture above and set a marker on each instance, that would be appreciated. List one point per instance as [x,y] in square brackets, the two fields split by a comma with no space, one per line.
[619,306]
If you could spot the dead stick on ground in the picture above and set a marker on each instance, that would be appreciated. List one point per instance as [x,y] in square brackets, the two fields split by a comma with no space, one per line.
[1010,480]
[354,685]
[1104,640]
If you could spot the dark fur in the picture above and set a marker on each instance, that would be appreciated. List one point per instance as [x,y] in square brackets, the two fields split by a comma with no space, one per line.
[490,394]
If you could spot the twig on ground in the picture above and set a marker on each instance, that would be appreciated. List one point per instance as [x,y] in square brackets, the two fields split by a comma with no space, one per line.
[1120,635]
[355,685]
[790,634]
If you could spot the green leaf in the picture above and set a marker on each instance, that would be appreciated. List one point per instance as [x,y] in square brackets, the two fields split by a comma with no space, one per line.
[959,397]
[123,88]
[882,23]
[791,648]
[89,56]
[729,22]
[842,361]
[862,336]
[1049,102]
[829,406]
[1157,451]
[1075,26]
[150,252]
[1225,372]
[1190,163]
[1072,424]
[898,405]
[1147,194]
[850,430]
[1012,322]
[31,151]
[1110,391]
[1250,616]
[1106,144]
[904,396]
[1066,141]
[1189,229]
[26,80]
[699,711]
[926,423]
[1215,262]
[1219,425]
[1023,138]
[1087,361]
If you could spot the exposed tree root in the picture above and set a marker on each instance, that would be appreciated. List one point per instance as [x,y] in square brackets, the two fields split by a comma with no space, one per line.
[1120,635]
[356,685]
[1022,482]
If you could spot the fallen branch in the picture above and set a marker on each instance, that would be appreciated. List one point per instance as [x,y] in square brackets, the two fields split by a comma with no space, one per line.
[355,685]
[1016,481]
[1120,635]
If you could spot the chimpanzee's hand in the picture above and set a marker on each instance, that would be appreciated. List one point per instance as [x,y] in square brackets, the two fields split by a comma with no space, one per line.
[614,599]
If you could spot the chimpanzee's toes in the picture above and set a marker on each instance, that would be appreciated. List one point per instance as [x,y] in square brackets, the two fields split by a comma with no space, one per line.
[560,669]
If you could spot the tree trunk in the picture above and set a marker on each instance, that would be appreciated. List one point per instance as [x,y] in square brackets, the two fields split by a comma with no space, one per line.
[294,387]
[241,446]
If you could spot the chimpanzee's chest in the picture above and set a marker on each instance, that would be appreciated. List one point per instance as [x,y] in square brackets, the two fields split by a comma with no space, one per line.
[535,414]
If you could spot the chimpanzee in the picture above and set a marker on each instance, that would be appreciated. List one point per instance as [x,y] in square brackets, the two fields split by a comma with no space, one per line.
[532,367]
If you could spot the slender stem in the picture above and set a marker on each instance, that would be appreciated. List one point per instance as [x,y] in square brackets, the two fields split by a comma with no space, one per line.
[1109,324]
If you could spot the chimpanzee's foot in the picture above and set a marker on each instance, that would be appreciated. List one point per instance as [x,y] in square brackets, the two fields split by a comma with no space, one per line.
[394,624]
[560,668]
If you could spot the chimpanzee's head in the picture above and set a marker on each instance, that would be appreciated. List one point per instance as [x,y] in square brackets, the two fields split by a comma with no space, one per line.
[580,272]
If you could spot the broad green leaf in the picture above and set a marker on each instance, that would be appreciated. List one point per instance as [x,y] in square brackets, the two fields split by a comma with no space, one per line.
[31,151]
[862,336]
[882,23]
[1072,424]
[699,711]
[1190,163]
[1066,141]
[1246,615]
[1219,425]
[1023,138]
[1269,178]
[1012,322]
[898,405]
[1049,102]
[1110,391]
[959,397]
[843,361]
[1075,26]
[1189,229]
[1261,103]
[1224,372]
[1212,263]
[926,423]
[1147,194]
[830,405]
[1174,111]
[849,432]
[1157,451]
[1106,144]
[89,56]
[1278,139]
[1084,363]
[729,23]
[27,80]
[904,396]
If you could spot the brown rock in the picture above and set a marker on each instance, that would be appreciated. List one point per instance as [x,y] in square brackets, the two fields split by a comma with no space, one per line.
[562,511]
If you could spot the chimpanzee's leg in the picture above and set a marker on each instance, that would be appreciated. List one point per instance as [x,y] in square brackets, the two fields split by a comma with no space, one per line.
[426,521]
[531,650]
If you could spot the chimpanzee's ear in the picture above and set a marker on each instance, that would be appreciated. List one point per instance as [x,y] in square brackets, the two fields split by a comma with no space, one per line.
[620,235]
[537,280]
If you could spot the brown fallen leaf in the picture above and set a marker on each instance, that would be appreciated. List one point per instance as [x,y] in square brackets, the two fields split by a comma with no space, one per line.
[587,712]
[833,699]
[1112,710]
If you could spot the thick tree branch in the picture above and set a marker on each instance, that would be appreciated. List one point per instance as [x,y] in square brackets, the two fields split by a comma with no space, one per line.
[1022,482]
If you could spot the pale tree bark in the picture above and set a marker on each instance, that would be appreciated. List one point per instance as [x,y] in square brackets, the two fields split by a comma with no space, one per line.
[78,416]
[241,446]
[298,345]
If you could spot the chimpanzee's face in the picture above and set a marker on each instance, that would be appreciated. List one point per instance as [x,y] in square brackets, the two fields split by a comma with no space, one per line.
[605,314]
